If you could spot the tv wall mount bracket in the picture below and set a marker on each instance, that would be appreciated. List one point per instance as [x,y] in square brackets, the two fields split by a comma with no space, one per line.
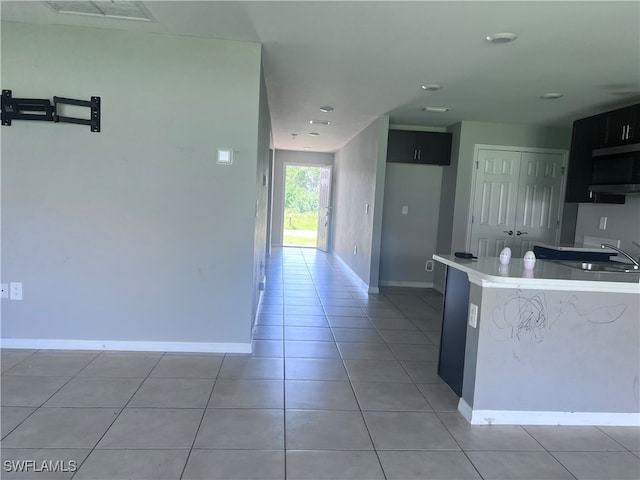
[41,109]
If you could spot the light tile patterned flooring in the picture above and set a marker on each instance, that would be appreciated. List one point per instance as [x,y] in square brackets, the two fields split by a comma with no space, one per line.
[341,385]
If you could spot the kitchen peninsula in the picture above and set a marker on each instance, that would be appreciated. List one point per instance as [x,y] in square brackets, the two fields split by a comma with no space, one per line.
[550,346]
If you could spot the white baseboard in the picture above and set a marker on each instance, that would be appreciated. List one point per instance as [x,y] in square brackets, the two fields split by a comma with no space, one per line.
[361,283]
[509,417]
[392,283]
[465,409]
[57,344]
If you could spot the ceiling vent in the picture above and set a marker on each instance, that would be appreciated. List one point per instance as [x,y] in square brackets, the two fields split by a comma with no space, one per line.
[111,9]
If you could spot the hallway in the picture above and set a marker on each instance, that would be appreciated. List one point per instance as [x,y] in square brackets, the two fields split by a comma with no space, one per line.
[341,385]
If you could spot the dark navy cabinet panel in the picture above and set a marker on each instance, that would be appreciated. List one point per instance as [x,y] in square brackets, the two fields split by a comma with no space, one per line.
[454,329]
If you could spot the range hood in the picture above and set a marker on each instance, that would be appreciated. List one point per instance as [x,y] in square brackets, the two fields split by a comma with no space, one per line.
[620,189]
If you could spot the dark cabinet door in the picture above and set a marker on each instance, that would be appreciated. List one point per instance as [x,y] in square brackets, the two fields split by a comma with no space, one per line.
[434,148]
[409,146]
[402,146]
[622,126]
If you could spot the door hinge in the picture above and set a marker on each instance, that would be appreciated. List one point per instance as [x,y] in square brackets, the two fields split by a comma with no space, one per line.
[477,165]
[562,170]
[473,219]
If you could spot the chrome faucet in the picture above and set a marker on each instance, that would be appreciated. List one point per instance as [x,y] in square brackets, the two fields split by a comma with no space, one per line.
[621,252]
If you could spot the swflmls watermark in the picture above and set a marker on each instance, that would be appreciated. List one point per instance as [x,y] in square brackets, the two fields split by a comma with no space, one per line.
[39,466]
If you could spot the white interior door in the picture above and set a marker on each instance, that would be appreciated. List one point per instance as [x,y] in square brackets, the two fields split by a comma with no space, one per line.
[324,209]
[494,201]
[539,197]
[516,201]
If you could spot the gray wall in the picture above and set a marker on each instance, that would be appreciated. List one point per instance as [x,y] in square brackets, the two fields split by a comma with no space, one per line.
[134,233]
[623,223]
[280,158]
[262,185]
[470,134]
[359,175]
[447,206]
[408,241]
[568,226]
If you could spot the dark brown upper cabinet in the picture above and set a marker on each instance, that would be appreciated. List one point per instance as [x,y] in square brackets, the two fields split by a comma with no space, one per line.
[621,126]
[610,129]
[410,146]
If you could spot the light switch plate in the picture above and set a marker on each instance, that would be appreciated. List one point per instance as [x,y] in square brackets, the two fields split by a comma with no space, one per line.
[4,290]
[473,315]
[225,156]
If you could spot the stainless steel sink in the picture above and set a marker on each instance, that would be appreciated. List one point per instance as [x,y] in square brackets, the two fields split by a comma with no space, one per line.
[608,267]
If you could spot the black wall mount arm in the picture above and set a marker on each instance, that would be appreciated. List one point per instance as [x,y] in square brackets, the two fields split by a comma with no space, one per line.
[42,110]
[93,104]
[25,109]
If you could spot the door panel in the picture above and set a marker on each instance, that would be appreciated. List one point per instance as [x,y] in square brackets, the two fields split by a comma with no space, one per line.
[538,206]
[324,209]
[495,198]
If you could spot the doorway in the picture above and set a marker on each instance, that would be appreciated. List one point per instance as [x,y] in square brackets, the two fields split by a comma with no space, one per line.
[307,196]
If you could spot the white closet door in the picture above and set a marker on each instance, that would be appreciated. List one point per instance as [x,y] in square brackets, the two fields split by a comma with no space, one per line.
[538,206]
[495,201]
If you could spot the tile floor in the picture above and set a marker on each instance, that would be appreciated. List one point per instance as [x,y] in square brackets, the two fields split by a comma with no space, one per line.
[341,385]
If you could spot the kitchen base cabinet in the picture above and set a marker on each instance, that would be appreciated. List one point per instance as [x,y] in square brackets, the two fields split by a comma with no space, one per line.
[549,346]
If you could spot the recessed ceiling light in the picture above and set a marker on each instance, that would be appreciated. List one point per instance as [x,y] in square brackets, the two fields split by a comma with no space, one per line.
[314,134]
[326,109]
[501,37]
[551,96]
[319,122]
[431,87]
[436,109]
[307,148]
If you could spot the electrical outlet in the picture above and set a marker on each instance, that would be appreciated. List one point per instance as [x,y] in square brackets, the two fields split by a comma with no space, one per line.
[355,249]
[473,315]
[4,290]
[366,208]
[405,210]
[15,290]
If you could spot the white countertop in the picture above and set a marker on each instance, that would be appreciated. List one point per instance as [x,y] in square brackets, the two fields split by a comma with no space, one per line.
[547,275]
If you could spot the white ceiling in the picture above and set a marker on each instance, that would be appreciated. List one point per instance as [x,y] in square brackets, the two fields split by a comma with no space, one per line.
[368,59]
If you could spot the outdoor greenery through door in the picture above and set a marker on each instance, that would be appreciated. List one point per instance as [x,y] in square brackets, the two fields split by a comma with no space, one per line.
[301,203]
